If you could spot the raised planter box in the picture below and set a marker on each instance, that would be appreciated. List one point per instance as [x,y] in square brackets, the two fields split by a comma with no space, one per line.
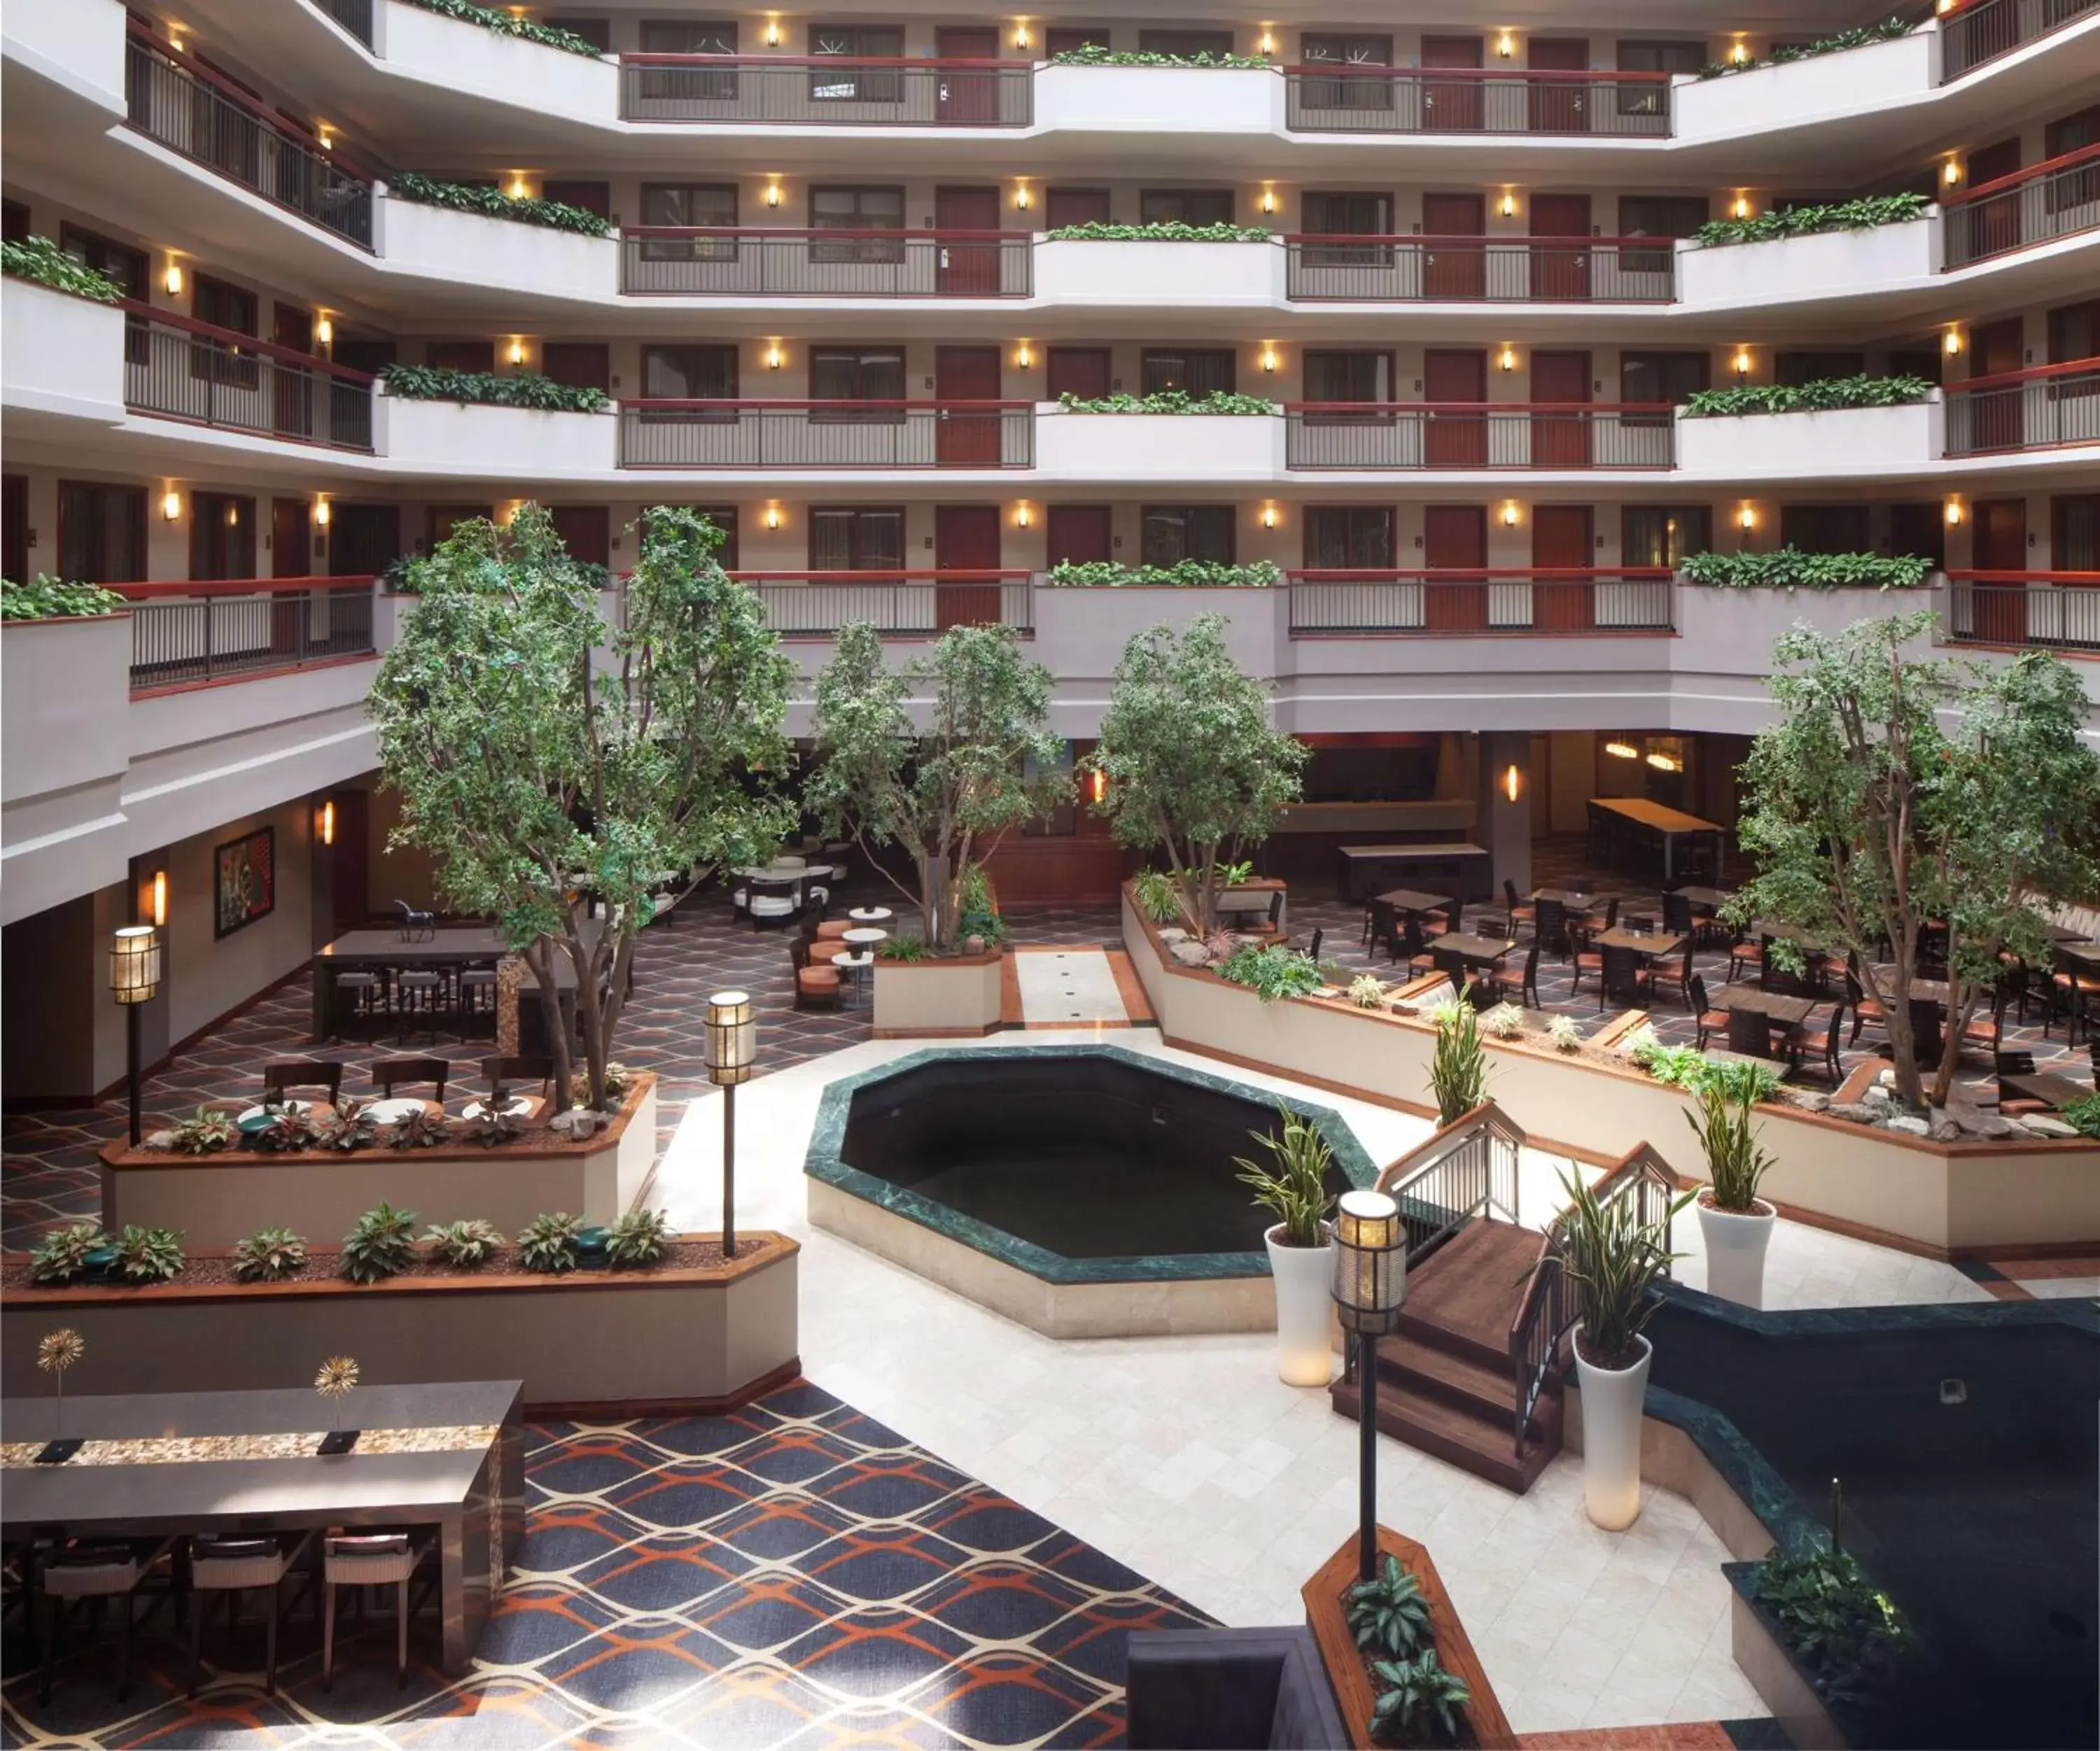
[956,998]
[1828,88]
[1822,266]
[65,356]
[1755,1645]
[1835,443]
[1242,275]
[439,243]
[1159,446]
[474,438]
[623,1343]
[216,1200]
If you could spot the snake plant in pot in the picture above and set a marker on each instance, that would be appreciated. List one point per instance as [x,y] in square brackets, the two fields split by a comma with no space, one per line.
[1301,1246]
[1734,1222]
[1612,1259]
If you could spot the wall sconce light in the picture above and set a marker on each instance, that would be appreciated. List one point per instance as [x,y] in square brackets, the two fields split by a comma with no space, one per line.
[1739,52]
[1944,6]
[1508,204]
[519,187]
[1507,358]
[322,513]
[1021,198]
[174,39]
[773,194]
[774,358]
[1020,36]
[1954,342]
[1954,513]
[1268,516]
[1512,783]
[1265,44]
[171,507]
[1747,518]
[1741,361]
[1097,785]
[1268,359]
[517,352]
[173,280]
[1505,45]
[1024,357]
[233,513]
[772,33]
[326,137]
[160,901]
[324,333]
[1510,514]
[1740,208]
[1622,750]
[1022,517]
[1950,173]
[773,516]
[324,829]
[1268,200]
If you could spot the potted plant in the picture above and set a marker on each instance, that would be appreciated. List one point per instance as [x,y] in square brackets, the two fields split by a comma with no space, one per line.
[1735,1223]
[1301,1246]
[1613,1259]
[1459,1071]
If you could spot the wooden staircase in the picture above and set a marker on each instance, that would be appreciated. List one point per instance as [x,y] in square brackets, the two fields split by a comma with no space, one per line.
[1446,1382]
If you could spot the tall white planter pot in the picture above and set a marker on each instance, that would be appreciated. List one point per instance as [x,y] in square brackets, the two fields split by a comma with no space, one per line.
[1736,1245]
[1304,1281]
[1612,1400]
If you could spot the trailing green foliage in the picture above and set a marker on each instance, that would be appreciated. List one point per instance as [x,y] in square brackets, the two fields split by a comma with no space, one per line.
[2083,1116]
[40,260]
[493,203]
[62,1256]
[1735,1163]
[1159,230]
[1458,1067]
[1790,568]
[1845,1630]
[1095,55]
[548,1242]
[1272,972]
[1863,215]
[1614,1261]
[1170,401]
[465,1245]
[1420,1697]
[1184,574]
[381,1244]
[1390,1611]
[505,25]
[1153,891]
[525,389]
[269,1256]
[1295,1187]
[640,1236]
[1887,31]
[49,599]
[204,1132]
[1821,396]
[148,1255]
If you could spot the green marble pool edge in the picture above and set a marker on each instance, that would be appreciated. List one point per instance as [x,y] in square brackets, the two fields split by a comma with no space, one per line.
[824,1162]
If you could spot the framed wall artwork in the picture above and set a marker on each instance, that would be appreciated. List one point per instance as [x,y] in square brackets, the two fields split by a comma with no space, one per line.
[243,880]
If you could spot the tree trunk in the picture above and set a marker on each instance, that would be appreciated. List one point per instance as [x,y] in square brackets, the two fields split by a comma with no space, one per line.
[933,890]
[540,957]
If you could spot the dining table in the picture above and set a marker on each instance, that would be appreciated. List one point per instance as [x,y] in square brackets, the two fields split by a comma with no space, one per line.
[1638,817]
[1364,869]
[449,950]
[1752,1012]
[1411,902]
[1703,899]
[1473,950]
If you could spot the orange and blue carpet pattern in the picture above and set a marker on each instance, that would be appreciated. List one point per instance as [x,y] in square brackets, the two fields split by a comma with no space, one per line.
[792,1574]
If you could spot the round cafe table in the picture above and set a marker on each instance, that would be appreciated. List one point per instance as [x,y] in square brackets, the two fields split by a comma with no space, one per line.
[870,915]
[866,937]
[856,967]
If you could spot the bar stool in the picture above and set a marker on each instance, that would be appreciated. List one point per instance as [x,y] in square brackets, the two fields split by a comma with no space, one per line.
[89,1572]
[367,1560]
[358,994]
[477,994]
[233,1566]
[417,990]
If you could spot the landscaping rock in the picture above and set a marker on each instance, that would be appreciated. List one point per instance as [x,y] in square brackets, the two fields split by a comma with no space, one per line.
[1887,1079]
[1172,934]
[1813,1103]
[1978,1121]
[1876,1095]
[2042,1125]
[1910,1125]
[1189,954]
[1858,1113]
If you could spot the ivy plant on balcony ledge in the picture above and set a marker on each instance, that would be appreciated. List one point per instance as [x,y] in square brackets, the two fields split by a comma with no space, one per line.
[1887,31]
[1862,214]
[43,263]
[1824,396]
[1790,568]
[504,25]
[1170,231]
[493,203]
[542,394]
[1184,574]
[1094,54]
[49,599]
[1169,401]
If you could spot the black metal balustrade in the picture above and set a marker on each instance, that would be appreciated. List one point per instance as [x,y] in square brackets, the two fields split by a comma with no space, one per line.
[826,91]
[2044,408]
[190,109]
[730,262]
[1465,436]
[846,435]
[896,604]
[2030,206]
[180,369]
[1365,100]
[184,634]
[2049,611]
[1975,34]
[1443,603]
[354,15]
[1481,270]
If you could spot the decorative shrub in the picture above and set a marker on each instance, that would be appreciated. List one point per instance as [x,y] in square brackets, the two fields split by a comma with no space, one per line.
[49,599]
[526,389]
[62,1256]
[420,1129]
[269,1256]
[549,1243]
[1565,1033]
[492,1129]
[1887,31]
[1737,1079]
[1166,231]
[350,1127]
[382,1244]
[1459,1069]
[1272,972]
[1094,54]
[619,1079]
[1846,1631]
[286,1133]
[1505,1021]
[1295,1187]
[493,203]
[504,25]
[1157,896]
[905,949]
[640,1236]
[1821,397]
[1169,401]
[1735,1163]
[40,260]
[1790,568]
[204,1132]
[1419,1699]
[1184,574]
[2083,1116]
[1367,991]
[1389,1612]
[465,1244]
[148,1255]
[1862,214]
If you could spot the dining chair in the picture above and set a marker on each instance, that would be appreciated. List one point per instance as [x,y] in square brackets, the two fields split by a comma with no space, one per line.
[1676,976]
[1525,984]
[1413,947]
[1742,953]
[1549,924]
[388,1073]
[500,1073]
[367,1559]
[1587,960]
[232,1567]
[1385,927]
[1519,912]
[1822,1043]
[1621,976]
[1710,1021]
[283,1074]
[1677,914]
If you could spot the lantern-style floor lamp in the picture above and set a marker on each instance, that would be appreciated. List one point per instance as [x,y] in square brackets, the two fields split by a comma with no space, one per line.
[1371,1283]
[134,976]
[732,1039]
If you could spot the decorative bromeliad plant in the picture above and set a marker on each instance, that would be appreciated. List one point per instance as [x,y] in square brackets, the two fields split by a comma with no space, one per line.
[1417,1700]
[67,1253]
[419,1128]
[640,1238]
[269,1256]
[148,1255]
[551,1243]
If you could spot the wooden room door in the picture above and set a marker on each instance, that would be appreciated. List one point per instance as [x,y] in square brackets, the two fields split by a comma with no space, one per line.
[1561,541]
[967,96]
[966,268]
[1451,105]
[1451,267]
[966,539]
[1560,271]
[1454,539]
[967,437]
[1999,544]
[1560,431]
[1558,106]
[1458,439]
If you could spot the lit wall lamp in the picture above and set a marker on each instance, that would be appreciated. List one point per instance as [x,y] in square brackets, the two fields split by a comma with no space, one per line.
[1505,45]
[1268,518]
[1024,357]
[173,280]
[1022,517]
[1509,204]
[1741,361]
[1267,199]
[322,513]
[519,187]
[1746,519]
[1953,341]
[326,136]
[773,194]
[1740,208]
[774,358]
[171,507]
[174,39]
[773,516]
[323,332]
[1268,359]
[517,352]
[1512,783]
[1739,53]
[1507,358]
[1097,785]
[1510,514]
[159,898]
[233,513]
[1021,198]
[772,33]
[325,827]
[1950,173]
[1265,44]
[1954,513]
[1020,36]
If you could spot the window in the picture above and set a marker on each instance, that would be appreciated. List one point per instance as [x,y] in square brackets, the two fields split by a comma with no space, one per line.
[723,517]
[687,36]
[1348,538]
[1662,535]
[1657,216]
[1825,528]
[1647,96]
[1919,530]
[2071,133]
[125,265]
[683,83]
[2074,524]
[856,539]
[1342,91]
[591,196]
[2074,333]
[223,306]
[102,533]
[597,32]
[1082,371]
[461,355]
[1352,49]
[1185,207]
[857,85]
[14,224]
[857,209]
[1655,376]
[222,535]
[1347,215]
[1196,372]
[683,204]
[1174,532]
[855,375]
[1795,368]
[1926,362]
[1185,42]
[1348,377]
[1071,39]
[1075,206]
[690,373]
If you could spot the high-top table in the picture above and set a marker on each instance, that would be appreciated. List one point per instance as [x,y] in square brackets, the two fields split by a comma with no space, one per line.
[447,948]
[448,1457]
[1654,820]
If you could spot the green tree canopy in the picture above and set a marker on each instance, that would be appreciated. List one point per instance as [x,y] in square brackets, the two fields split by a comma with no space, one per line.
[1194,766]
[985,761]
[555,767]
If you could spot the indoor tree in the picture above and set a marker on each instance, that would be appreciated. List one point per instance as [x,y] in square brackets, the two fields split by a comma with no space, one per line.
[561,772]
[984,761]
[1898,792]
[1191,764]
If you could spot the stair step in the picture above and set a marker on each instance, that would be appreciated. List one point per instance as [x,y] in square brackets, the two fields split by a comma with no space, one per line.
[1457,1378]
[1471,1441]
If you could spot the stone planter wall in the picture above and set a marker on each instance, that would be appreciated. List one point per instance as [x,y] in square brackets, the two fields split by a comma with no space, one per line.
[956,998]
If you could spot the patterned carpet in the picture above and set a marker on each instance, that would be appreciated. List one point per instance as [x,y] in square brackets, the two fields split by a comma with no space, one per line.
[792,1574]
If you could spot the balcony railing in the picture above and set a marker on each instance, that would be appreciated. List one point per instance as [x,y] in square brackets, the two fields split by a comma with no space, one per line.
[1468,435]
[184,634]
[1443,603]
[2053,610]
[2041,409]
[180,369]
[730,262]
[2049,200]
[176,100]
[1356,99]
[1981,32]
[896,604]
[852,434]
[354,15]
[826,91]
[1481,270]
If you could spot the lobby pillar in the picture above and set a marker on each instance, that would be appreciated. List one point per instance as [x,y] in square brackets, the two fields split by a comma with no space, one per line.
[1505,785]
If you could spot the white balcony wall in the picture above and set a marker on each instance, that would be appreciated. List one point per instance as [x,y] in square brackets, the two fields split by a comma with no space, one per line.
[1158,100]
[486,442]
[1142,447]
[1159,274]
[499,254]
[1798,94]
[465,59]
[1827,446]
[1080,635]
[64,357]
[76,44]
[1826,264]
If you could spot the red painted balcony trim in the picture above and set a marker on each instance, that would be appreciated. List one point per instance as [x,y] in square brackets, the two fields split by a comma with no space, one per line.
[1384,240]
[2047,167]
[766,233]
[667,403]
[1657,407]
[712,62]
[246,343]
[1526,75]
[1478,574]
[238,587]
[809,575]
[2073,580]
[2032,374]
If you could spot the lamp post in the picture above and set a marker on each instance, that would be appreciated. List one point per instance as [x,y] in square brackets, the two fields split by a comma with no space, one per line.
[134,976]
[1371,1283]
[732,1039]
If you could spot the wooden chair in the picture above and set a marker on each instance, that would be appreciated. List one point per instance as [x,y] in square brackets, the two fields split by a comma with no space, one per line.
[1675,977]
[1677,914]
[1523,985]
[1822,1043]
[281,1073]
[1742,953]
[389,1072]
[1549,924]
[1414,949]
[1865,1009]
[1988,1028]
[1519,914]
[1710,1021]
[1587,960]
[1385,927]
[499,1073]
[1621,974]
[1313,947]
[1598,923]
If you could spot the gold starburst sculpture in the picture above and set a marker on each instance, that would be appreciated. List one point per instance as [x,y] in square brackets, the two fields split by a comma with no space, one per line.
[58,1351]
[337,1376]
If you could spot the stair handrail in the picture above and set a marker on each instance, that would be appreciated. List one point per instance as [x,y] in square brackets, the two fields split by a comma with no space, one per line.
[1464,1169]
[1545,1313]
